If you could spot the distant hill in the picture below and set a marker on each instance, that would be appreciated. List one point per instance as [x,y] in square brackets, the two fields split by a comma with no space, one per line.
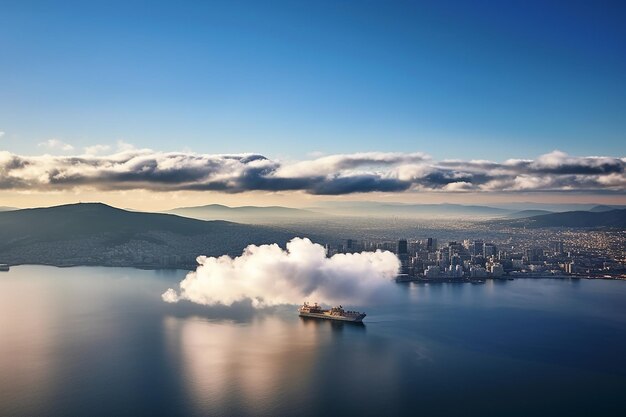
[375,209]
[246,214]
[527,213]
[613,218]
[602,208]
[97,234]
[551,207]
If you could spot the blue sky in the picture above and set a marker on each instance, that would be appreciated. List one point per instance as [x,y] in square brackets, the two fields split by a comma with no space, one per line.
[488,80]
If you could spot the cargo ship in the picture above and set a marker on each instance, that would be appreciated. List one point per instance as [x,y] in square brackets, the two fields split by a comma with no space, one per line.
[4,267]
[335,313]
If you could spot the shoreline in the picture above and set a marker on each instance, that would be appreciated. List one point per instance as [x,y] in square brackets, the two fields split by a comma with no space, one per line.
[140,267]
[399,281]
[507,278]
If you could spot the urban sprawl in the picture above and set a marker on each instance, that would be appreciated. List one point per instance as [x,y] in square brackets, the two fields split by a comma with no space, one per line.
[600,255]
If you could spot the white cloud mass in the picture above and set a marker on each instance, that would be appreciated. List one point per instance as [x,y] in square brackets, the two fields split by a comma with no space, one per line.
[145,169]
[56,144]
[96,149]
[268,275]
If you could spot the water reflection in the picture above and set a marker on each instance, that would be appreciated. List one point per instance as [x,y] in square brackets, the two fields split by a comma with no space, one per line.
[336,326]
[25,364]
[230,366]
[239,312]
[273,363]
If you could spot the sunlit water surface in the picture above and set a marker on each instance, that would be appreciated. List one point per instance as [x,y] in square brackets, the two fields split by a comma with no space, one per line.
[99,341]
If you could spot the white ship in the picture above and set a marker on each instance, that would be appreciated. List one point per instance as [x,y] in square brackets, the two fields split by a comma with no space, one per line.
[335,313]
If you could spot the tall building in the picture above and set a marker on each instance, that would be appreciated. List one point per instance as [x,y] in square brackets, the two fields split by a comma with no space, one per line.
[496,270]
[352,245]
[432,272]
[403,255]
[455,248]
[478,272]
[489,250]
[403,246]
[556,247]
[477,247]
[431,244]
[443,257]
[534,254]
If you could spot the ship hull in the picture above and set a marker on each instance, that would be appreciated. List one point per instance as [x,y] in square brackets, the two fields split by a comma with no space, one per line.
[358,319]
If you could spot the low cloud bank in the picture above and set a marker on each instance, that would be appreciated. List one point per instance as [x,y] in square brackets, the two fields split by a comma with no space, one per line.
[328,175]
[268,275]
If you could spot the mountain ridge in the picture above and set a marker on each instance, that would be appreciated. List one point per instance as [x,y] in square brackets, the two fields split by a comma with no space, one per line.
[576,219]
[98,234]
[527,213]
[248,214]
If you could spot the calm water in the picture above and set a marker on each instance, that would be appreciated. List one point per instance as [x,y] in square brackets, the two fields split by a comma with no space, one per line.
[99,341]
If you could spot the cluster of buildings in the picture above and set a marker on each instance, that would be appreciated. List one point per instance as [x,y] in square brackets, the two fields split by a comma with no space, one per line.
[430,260]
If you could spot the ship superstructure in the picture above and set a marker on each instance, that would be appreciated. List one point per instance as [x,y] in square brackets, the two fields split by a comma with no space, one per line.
[335,313]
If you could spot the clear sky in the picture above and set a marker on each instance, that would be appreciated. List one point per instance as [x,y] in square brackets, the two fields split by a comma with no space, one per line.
[292,80]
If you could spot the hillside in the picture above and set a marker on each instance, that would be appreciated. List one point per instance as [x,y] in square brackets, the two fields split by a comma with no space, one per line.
[97,234]
[613,218]
[605,208]
[247,214]
[527,213]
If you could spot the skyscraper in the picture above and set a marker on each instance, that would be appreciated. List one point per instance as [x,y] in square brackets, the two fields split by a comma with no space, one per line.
[489,249]
[477,247]
[403,255]
[403,246]
[556,247]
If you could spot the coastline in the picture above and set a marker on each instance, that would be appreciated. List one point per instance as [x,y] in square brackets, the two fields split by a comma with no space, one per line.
[140,267]
[506,278]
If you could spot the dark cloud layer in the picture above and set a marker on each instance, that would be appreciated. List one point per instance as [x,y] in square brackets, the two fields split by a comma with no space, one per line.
[328,175]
